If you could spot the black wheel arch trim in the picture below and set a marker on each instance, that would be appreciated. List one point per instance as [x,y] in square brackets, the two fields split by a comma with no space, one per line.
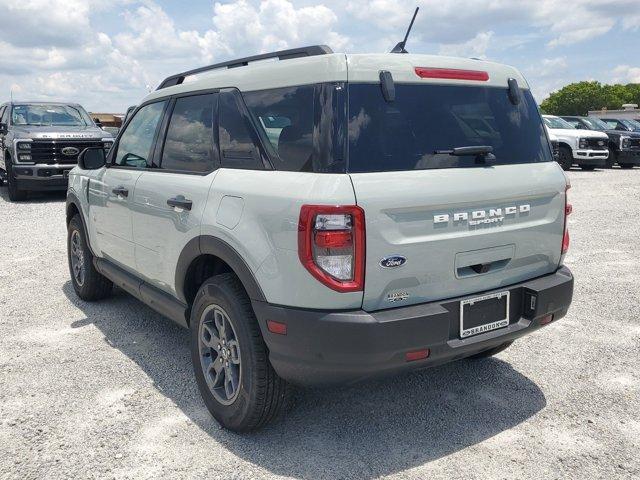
[72,199]
[210,245]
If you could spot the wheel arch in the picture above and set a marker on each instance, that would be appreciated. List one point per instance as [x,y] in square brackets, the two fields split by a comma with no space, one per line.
[205,256]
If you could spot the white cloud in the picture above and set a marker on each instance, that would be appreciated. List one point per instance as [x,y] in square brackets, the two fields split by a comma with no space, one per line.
[626,74]
[476,47]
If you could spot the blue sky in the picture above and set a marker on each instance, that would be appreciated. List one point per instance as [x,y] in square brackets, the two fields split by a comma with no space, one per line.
[108,54]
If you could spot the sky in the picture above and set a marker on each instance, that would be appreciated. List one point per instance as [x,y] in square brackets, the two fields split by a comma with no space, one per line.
[108,54]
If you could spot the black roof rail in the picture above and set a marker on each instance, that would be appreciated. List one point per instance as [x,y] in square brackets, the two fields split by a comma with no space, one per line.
[243,62]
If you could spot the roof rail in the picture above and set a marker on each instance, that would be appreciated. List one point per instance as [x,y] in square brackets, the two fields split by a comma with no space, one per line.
[243,62]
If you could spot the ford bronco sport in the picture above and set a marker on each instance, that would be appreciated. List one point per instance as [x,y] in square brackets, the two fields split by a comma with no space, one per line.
[40,143]
[327,218]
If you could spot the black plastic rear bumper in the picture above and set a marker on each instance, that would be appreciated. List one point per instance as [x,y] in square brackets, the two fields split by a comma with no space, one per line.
[324,347]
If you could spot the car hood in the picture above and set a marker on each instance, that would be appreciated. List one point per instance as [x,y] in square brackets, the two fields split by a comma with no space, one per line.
[566,132]
[623,133]
[57,132]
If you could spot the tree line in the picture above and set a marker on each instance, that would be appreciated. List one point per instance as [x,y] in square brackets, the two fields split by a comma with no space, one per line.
[578,98]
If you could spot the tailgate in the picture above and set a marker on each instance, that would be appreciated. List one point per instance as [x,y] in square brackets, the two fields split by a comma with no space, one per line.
[459,230]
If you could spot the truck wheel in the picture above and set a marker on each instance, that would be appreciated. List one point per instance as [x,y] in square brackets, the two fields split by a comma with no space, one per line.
[492,351]
[626,165]
[15,195]
[587,168]
[230,359]
[612,159]
[88,283]
[565,158]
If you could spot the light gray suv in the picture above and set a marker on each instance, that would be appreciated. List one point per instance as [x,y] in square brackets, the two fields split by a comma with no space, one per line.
[327,218]
[40,143]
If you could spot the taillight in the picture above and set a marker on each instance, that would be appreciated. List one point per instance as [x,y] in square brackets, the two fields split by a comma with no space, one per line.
[568,208]
[331,245]
[452,74]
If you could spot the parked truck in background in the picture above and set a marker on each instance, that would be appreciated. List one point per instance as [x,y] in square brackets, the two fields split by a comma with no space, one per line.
[40,143]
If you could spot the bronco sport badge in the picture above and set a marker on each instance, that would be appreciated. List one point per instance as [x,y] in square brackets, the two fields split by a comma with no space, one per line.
[477,217]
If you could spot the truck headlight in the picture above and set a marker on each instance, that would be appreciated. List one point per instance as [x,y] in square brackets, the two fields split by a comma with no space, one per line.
[625,142]
[107,145]
[583,143]
[24,157]
[24,145]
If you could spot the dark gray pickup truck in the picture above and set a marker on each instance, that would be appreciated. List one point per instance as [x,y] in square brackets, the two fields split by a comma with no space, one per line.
[40,143]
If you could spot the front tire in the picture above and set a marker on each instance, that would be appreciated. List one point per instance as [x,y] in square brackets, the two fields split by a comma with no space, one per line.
[565,158]
[15,194]
[587,168]
[626,166]
[87,282]
[230,359]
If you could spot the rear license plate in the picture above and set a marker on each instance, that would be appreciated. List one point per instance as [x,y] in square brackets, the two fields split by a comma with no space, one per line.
[483,314]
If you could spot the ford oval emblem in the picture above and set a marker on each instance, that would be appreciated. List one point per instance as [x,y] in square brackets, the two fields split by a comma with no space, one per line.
[70,151]
[393,261]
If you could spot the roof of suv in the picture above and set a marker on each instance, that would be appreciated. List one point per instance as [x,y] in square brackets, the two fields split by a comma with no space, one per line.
[340,67]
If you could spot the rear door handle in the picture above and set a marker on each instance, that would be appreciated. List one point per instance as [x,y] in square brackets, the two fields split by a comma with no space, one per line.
[121,191]
[180,202]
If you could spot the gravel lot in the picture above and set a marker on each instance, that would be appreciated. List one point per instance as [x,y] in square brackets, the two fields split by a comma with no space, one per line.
[106,390]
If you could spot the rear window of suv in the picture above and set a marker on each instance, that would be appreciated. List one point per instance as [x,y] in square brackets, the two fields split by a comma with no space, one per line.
[405,134]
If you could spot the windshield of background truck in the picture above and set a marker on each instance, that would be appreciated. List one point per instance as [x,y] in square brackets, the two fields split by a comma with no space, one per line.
[49,115]
[406,133]
[595,123]
[557,123]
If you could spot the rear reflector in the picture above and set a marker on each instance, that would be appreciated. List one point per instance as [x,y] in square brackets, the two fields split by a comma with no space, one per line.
[546,319]
[333,239]
[278,328]
[417,355]
[452,74]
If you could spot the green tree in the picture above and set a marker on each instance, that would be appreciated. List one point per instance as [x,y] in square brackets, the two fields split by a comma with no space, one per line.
[578,98]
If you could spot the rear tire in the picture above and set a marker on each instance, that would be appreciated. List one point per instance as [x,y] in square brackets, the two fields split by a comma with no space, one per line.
[230,359]
[15,194]
[492,351]
[565,158]
[88,283]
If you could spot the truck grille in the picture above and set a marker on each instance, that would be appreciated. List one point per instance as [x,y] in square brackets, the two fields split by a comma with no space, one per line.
[50,151]
[634,142]
[597,143]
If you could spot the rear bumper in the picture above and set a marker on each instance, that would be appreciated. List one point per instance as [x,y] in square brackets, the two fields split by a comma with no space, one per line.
[631,157]
[323,347]
[41,177]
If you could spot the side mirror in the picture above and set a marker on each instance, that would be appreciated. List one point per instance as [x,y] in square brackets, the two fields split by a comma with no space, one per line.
[3,128]
[92,158]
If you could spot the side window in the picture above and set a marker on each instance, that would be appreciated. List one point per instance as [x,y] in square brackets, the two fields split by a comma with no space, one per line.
[189,145]
[237,146]
[4,115]
[136,142]
[287,116]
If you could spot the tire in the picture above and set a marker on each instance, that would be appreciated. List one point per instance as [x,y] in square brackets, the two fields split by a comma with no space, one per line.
[626,165]
[587,168]
[565,158]
[612,159]
[91,285]
[224,329]
[15,195]
[492,351]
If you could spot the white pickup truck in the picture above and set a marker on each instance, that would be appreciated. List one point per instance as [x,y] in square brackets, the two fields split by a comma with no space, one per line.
[586,148]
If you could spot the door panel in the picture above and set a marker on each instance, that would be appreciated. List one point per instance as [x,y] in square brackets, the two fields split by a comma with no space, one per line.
[160,231]
[111,214]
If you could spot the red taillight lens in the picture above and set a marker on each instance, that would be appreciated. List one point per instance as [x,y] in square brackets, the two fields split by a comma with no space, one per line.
[278,328]
[333,239]
[452,74]
[568,208]
[331,245]
[417,355]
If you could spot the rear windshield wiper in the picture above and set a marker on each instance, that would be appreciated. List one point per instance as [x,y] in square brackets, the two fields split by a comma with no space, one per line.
[483,153]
